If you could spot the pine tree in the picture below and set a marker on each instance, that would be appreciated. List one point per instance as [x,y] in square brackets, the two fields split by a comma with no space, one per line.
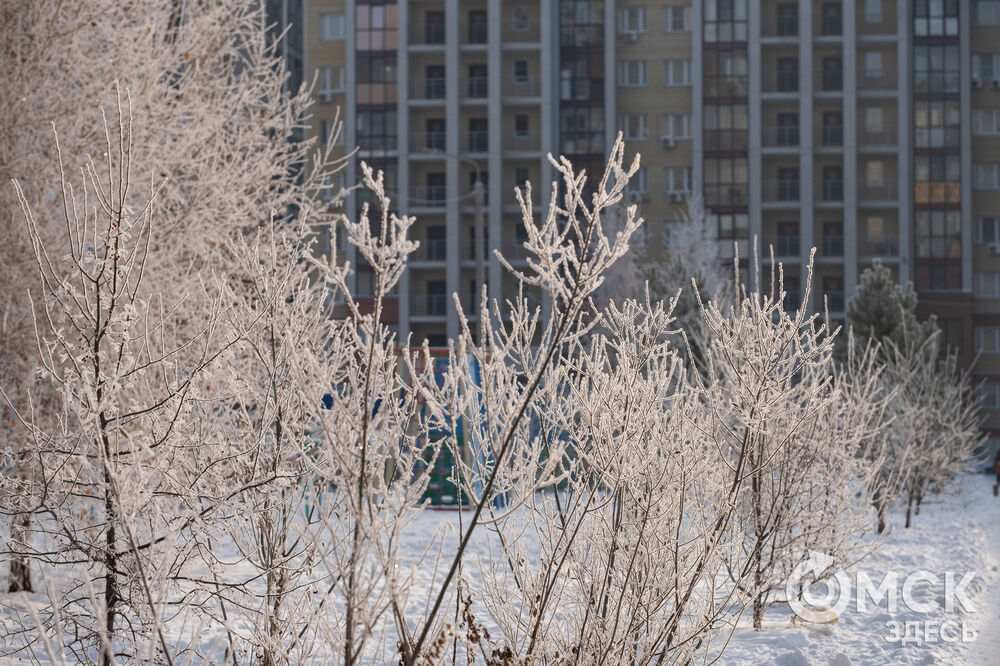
[883,311]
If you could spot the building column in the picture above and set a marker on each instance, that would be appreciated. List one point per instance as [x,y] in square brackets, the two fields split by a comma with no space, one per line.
[350,131]
[754,161]
[851,173]
[452,148]
[698,102]
[403,162]
[610,78]
[965,106]
[904,129]
[497,76]
[807,236]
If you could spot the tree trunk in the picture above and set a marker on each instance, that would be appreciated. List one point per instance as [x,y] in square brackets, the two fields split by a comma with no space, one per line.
[909,508]
[881,519]
[20,569]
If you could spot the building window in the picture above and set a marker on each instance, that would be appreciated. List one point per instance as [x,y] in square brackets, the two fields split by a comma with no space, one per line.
[478,33]
[788,19]
[376,69]
[873,11]
[873,64]
[632,72]
[833,73]
[331,27]
[874,173]
[989,392]
[987,339]
[631,20]
[986,66]
[873,119]
[832,22]
[938,234]
[677,18]
[788,184]
[677,72]
[936,18]
[377,129]
[677,180]
[985,121]
[520,19]
[986,285]
[788,74]
[434,27]
[677,126]
[479,135]
[331,80]
[520,71]
[521,125]
[633,126]
[986,176]
[639,184]
[833,128]
[520,176]
[987,230]
[988,12]
[725,21]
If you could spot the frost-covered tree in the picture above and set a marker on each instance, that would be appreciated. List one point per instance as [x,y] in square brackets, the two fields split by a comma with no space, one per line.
[214,136]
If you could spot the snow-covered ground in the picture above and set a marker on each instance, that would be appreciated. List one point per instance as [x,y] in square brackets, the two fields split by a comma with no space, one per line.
[956,531]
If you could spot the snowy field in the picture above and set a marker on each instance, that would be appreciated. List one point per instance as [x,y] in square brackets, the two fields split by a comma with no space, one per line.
[956,531]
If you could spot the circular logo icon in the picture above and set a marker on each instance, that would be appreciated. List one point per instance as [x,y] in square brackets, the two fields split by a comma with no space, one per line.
[807,600]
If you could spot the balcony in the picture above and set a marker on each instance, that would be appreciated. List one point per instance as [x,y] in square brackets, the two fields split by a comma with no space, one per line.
[887,190]
[529,143]
[877,79]
[828,80]
[833,246]
[727,195]
[520,30]
[581,36]
[427,141]
[429,305]
[478,33]
[833,190]
[477,141]
[725,141]
[515,251]
[832,135]
[431,250]
[780,191]
[793,299]
[879,247]
[581,89]
[378,143]
[786,246]
[887,137]
[433,34]
[582,143]
[781,136]
[527,87]
[834,300]
[725,86]
[429,88]
[776,81]
[477,87]
[432,196]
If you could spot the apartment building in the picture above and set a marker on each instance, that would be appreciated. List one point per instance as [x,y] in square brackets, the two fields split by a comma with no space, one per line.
[868,129]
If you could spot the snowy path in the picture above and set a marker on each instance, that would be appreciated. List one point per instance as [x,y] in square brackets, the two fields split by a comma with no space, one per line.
[957,531]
